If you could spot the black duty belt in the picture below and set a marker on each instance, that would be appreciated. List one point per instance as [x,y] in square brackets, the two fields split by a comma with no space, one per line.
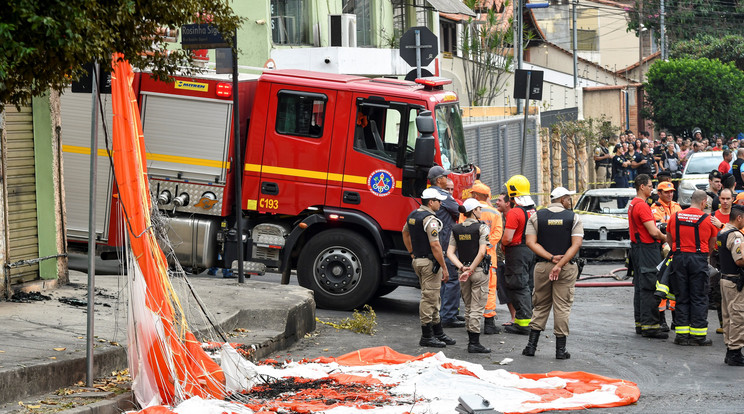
[730,278]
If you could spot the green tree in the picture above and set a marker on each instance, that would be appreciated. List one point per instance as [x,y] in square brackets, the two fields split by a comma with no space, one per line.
[44,43]
[687,19]
[684,93]
[729,48]
[486,44]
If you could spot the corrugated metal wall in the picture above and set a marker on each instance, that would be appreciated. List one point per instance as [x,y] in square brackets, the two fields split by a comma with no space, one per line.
[496,147]
[20,186]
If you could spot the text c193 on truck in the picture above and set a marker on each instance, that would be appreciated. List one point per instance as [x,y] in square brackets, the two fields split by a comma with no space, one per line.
[333,165]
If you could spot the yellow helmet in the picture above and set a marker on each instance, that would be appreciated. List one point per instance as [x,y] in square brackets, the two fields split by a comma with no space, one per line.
[518,185]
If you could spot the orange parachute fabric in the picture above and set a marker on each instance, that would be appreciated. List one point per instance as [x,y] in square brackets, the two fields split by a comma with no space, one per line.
[179,366]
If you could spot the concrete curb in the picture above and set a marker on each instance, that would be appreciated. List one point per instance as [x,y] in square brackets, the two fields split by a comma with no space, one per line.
[48,376]
[115,405]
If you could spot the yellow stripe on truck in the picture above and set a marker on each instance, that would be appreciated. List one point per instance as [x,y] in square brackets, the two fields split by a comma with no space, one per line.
[318,175]
[153,157]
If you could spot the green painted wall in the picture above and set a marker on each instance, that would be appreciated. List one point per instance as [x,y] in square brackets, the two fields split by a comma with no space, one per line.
[46,210]
[254,37]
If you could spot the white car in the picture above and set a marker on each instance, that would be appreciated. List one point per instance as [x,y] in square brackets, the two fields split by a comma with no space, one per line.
[695,174]
[604,213]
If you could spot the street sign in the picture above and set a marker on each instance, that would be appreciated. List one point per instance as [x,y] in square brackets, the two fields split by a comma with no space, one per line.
[520,84]
[201,36]
[84,84]
[428,44]
[411,76]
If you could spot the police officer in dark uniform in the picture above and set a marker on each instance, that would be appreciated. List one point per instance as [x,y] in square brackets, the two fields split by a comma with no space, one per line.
[691,235]
[421,238]
[470,240]
[731,259]
[555,235]
[620,173]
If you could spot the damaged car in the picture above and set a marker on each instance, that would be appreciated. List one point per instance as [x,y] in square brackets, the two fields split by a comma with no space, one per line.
[605,222]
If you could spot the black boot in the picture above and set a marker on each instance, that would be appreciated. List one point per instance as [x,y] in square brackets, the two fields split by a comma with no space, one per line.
[700,340]
[440,335]
[729,353]
[736,359]
[654,333]
[489,326]
[474,345]
[531,347]
[560,348]
[427,339]
[516,329]
[682,339]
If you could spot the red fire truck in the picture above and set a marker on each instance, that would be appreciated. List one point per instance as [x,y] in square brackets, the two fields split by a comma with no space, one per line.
[332,166]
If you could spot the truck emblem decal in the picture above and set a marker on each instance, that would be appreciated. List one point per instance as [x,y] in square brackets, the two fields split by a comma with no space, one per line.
[206,203]
[381,183]
[192,86]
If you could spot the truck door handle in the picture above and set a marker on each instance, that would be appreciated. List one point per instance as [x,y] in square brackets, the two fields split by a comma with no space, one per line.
[352,197]
[269,188]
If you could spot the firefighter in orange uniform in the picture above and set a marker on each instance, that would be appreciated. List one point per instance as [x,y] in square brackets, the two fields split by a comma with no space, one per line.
[691,234]
[492,218]
[662,210]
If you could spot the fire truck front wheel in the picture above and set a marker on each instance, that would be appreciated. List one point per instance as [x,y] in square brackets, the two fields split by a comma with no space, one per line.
[341,267]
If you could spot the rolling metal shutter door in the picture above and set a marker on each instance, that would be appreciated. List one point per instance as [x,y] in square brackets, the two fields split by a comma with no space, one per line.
[20,173]
[76,120]
[187,137]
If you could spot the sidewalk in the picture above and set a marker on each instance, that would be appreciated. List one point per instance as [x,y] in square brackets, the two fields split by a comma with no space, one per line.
[43,343]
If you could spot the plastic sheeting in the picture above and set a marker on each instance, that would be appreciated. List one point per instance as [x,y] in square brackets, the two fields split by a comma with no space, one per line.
[392,383]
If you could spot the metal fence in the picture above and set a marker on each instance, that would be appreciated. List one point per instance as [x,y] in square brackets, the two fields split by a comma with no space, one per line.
[496,147]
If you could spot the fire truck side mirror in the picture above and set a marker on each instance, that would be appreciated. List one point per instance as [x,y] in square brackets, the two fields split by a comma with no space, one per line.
[423,155]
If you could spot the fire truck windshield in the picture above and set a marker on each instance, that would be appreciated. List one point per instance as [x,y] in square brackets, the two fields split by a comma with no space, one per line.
[451,137]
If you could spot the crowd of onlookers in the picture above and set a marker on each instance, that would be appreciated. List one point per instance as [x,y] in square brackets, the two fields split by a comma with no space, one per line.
[621,161]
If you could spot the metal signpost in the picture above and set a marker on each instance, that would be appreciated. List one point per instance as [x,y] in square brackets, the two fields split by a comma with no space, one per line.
[527,85]
[206,36]
[94,82]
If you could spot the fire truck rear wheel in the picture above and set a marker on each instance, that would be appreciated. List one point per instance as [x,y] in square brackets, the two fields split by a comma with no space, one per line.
[341,267]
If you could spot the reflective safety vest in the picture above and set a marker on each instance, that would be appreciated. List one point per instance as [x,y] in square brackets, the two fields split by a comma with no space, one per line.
[467,241]
[419,240]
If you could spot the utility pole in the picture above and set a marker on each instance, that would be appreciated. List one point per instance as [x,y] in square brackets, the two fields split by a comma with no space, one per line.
[663,32]
[575,44]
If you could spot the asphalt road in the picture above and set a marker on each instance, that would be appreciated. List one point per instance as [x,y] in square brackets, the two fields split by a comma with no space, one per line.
[672,379]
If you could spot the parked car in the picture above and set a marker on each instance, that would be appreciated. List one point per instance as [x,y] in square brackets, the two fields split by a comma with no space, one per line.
[605,223]
[695,174]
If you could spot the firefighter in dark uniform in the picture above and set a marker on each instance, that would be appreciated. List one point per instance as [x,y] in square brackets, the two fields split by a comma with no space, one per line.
[692,237]
[555,235]
[645,255]
[731,259]
[421,238]
[470,240]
